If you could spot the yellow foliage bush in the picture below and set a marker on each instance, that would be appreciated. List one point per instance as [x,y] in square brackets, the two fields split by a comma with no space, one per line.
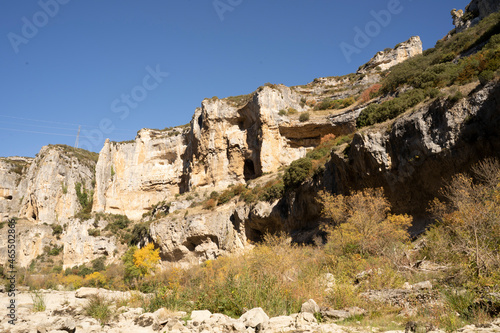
[72,281]
[96,279]
[361,223]
[146,259]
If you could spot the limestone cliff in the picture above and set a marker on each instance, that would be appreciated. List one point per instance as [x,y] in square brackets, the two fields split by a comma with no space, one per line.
[414,156]
[133,176]
[228,141]
[50,193]
[384,60]
[12,185]
[482,8]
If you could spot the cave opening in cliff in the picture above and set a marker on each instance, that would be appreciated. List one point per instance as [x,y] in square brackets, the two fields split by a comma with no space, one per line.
[249,170]
[200,121]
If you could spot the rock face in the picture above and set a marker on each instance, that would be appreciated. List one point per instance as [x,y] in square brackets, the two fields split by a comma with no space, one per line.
[200,237]
[12,185]
[229,141]
[422,150]
[43,189]
[131,177]
[80,247]
[384,60]
[50,194]
[483,8]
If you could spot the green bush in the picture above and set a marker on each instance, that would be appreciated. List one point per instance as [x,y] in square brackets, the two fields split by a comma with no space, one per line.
[38,301]
[98,264]
[304,117]
[140,232]
[297,172]
[273,190]
[377,113]
[56,229]
[455,97]
[486,76]
[282,112]
[94,232]
[99,308]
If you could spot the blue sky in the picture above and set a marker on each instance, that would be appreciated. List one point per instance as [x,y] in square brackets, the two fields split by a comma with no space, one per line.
[117,66]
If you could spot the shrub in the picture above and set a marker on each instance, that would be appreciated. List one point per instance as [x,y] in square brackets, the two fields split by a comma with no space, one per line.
[377,113]
[486,76]
[273,190]
[468,233]
[370,93]
[57,229]
[292,111]
[98,264]
[282,112]
[297,172]
[94,232]
[95,279]
[140,234]
[116,222]
[38,301]
[455,97]
[99,308]
[85,198]
[210,204]
[146,259]
[64,188]
[304,116]
[361,223]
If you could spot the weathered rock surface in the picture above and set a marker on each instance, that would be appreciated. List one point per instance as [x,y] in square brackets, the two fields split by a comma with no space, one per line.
[414,157]
[229,141]
[81,248]
[483,8]
[50,194]
[133,176]
[384,60]
[202,236]
[12,185]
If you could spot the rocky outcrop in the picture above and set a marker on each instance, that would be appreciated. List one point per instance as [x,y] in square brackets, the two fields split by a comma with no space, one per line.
[12,185]
[50,194]
[482,8]
[31,240]
[384,60]
[414,157]
[80,248]
[199,237]
[233,144]
[229,141]
[133,176]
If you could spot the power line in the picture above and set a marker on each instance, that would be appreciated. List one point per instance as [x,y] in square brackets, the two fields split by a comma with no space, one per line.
[36,132]
[34,125]
[62,123]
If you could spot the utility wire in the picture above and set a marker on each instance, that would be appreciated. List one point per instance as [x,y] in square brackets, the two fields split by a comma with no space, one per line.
[37,132]
[41,126]
[61,123]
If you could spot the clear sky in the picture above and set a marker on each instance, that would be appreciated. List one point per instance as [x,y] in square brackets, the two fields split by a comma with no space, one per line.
[117,66]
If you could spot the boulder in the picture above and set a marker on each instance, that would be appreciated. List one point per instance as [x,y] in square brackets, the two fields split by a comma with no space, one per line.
[310,306]
[254,317]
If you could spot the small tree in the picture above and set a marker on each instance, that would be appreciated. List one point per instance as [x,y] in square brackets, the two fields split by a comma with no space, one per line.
[146,259]
[297,172]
